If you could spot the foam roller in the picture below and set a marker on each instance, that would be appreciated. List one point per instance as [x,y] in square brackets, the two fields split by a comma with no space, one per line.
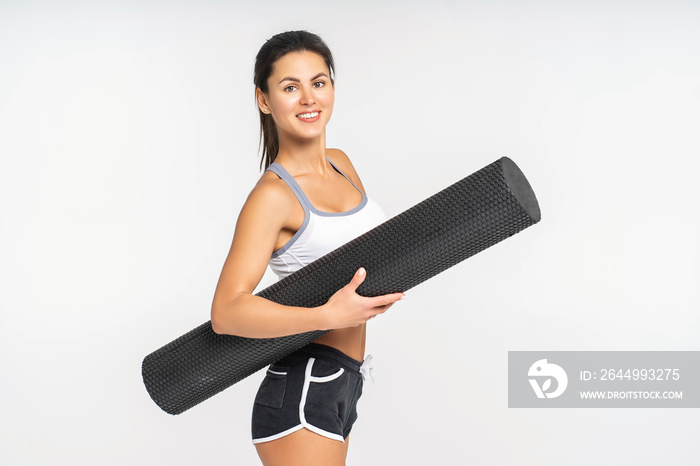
[477,212]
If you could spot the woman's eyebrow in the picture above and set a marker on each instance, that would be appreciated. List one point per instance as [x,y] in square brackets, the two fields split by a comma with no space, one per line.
[288,78]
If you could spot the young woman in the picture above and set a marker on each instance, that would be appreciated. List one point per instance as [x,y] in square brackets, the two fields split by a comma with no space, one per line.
[308,202]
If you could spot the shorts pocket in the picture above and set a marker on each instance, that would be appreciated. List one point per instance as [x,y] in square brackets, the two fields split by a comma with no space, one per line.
[328,378]
[272,388]
[329,396]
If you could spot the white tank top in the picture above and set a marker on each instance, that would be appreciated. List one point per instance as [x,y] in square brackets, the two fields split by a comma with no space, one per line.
[321,232]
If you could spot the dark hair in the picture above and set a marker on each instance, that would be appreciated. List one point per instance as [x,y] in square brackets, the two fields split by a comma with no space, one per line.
[271,51]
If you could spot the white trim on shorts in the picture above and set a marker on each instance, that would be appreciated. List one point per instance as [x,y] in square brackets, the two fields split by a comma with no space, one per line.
[308,378]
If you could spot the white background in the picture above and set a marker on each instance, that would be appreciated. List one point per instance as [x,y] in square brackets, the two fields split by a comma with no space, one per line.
[128,139]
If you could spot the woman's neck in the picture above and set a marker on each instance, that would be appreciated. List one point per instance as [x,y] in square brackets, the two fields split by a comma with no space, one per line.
[303,156]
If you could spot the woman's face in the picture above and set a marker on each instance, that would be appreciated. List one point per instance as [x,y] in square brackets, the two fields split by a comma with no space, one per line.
[300,95]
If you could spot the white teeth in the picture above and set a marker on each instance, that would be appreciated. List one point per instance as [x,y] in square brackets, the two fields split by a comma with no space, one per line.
[307,115]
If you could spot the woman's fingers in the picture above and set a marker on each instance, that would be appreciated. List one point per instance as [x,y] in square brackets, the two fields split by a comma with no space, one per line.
[383,300]
[357,279]
[351,309]
[377,304]
[386,300]
[383,303]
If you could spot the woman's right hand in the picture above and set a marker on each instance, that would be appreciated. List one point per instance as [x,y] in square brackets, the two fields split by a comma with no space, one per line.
[346,308]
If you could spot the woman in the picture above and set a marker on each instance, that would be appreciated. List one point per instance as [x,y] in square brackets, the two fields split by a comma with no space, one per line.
[308,202]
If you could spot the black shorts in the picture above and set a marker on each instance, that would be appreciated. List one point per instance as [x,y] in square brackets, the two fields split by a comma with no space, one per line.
[316,387]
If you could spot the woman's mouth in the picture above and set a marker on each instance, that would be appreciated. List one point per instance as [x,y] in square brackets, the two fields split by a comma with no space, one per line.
[309,117]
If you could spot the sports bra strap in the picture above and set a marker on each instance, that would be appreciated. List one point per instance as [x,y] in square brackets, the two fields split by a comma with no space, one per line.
[291,182]
[339,171]
[296,189]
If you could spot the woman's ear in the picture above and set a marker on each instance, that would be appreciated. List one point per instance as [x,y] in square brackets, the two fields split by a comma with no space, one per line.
[262,101]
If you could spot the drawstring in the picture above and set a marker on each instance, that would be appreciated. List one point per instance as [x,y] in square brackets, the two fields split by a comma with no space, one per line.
[367,369]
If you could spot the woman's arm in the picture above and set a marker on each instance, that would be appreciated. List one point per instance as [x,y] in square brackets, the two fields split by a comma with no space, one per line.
[236,311]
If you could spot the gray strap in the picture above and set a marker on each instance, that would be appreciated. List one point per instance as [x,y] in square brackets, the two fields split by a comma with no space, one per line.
[291,182]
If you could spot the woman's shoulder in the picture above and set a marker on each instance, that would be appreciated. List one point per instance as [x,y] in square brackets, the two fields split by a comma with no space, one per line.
[342,161]
[338,157]
[270,190]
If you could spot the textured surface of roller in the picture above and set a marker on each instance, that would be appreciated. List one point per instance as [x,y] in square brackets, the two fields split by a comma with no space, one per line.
[477,212]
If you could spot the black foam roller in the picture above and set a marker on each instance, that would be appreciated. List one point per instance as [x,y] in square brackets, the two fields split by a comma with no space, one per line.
[448,227]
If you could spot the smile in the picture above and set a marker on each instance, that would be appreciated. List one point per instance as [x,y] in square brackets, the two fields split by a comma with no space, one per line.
[311,116]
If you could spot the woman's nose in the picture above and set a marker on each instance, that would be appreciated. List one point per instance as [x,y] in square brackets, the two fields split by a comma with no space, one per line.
[307,96]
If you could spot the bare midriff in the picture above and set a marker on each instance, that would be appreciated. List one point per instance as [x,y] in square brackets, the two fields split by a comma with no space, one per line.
[350,341]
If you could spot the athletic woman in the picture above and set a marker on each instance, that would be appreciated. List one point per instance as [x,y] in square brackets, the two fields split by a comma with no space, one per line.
[308,202]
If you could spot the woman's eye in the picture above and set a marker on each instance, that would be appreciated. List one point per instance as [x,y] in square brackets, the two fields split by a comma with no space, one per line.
[290,88]
[319,84]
